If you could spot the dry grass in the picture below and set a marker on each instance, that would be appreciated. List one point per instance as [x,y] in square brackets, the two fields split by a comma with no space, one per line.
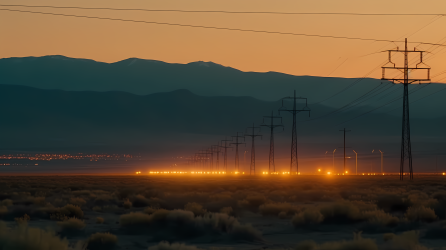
[195,208]
[307,217]
[71,224]
[99,220]
[203,204]
[26,238]
[421,213]
[101,241]
[274,209]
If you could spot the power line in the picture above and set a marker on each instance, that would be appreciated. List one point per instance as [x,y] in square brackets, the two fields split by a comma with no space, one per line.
[346,105]
[390,102]
[225,11]
[216,28]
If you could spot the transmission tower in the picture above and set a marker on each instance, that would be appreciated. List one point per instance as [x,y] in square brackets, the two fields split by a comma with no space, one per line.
[211,158]
[294,111]
[216,149]
[406,147]
[253,135]
[225,158]
[344,144]
[203,155]
[272,126]
[236,143]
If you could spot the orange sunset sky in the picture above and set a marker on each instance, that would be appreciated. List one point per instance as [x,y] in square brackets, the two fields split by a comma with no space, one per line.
[24,34]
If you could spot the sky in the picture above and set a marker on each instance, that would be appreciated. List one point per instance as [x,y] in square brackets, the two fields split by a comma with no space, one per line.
[25,34]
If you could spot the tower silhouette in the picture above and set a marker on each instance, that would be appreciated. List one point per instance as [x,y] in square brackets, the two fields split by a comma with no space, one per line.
[294,111]
[253,135]
[236,143]
[225,157]
[216,149]
[272,126]
[406,146]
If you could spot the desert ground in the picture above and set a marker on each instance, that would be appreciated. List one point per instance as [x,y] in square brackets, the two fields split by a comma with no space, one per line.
[190,212]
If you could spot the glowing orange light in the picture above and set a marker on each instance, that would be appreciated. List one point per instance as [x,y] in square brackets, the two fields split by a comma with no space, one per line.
[346,172]
[328,173]
[319,170]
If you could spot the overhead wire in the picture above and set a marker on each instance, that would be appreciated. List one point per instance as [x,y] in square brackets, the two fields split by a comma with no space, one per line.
[225,11]
[390,102]
[211,27]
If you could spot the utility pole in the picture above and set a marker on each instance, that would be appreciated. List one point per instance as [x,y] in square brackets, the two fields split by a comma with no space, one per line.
[294,111]
[225,158]
[406,147]
[356,162]
[333,161]
[272,126]
[236,143]
[344,145]
[253,135]
[216,149]
[382,161]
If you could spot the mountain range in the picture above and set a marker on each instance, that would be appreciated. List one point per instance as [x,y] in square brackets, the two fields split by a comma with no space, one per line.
[55,103]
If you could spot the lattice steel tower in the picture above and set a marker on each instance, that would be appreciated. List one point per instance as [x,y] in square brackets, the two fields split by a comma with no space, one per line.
[225,157]
[406,147]
[216,149]
[272,126]
[236,143]
[253,135]
[294,111]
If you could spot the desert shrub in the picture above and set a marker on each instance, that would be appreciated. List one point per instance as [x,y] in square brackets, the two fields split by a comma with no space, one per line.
[3,210]
[185,222]
[174,246]
[104,199]
[283,215]
[440,195]
[97,209]
[99,220]
[380,217]
[341,210]
[135,219]
[219,201]
[22,220]
[6,202]
[102,241]
[421,213]
[39,201]
[59,202]
[25,238]
[392,202]
[141,201]
[309,216]
[71,211]
[71,224]
[77,201]
[127,204]
[195,208]
[273,209]
[256,200]
[226,210]
[150,210]
[357,243]
[405,241]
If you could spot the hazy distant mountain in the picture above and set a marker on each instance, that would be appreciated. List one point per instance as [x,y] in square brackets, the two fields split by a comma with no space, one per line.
[181,122]
[144,77]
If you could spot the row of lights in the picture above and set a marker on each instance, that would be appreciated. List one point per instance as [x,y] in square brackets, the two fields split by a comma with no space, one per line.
[277,173]
[272,173]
